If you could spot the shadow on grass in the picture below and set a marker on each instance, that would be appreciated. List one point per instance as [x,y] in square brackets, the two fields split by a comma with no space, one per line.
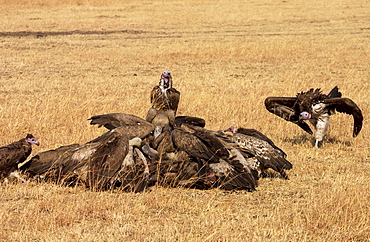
[302,139]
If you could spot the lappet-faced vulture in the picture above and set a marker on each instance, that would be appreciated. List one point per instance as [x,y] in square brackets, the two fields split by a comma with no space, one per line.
[316,107]
[164,97]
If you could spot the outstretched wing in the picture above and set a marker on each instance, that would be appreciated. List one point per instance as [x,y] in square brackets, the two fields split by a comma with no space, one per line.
[114,120]
[346,105]
[284,107]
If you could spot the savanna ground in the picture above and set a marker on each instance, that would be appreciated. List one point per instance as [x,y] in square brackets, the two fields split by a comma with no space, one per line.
[64,62]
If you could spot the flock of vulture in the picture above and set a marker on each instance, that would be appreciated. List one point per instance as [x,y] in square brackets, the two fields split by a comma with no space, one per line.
[169,150]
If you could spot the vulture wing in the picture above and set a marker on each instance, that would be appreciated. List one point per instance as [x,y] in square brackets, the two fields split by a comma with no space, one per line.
[334,93]
[189,120]
[107,160]
[193,146]
[174,98]
[285,107]
[346,105]
[114,120]
[257,134]
[46,161]
[268,156]
[232,175]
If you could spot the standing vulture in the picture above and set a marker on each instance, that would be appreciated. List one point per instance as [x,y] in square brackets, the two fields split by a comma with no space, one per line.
[15,153]
[164,97]
[316,107]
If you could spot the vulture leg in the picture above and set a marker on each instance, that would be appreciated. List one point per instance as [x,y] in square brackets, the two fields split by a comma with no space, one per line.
[17,175]
[143,159]
[129,159]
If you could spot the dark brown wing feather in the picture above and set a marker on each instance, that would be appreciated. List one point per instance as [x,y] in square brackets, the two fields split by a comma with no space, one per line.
[209,138]
[287,108]
[232,175]
[192,145]
[189,120]
[48,160]
[106,160]
[346,105]
[114,120]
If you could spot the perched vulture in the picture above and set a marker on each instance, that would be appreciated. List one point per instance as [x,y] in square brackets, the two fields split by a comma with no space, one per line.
[15,153]
[164,97]
[316,107]
[260,152]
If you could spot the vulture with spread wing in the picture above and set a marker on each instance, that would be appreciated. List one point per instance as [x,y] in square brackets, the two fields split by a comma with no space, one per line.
[316,107]
[164,97]
[15,153]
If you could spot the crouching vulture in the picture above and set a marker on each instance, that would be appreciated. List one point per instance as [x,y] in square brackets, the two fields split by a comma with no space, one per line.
[192,156]
[13,154]
[259,151]
[317,108]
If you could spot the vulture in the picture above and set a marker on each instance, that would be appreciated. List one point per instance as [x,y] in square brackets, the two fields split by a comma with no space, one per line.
[13,154]
[164,97]
[315,107]
[259,151]
[100,162]
[192,156]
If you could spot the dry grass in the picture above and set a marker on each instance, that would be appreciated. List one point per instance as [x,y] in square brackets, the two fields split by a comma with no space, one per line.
[63,62]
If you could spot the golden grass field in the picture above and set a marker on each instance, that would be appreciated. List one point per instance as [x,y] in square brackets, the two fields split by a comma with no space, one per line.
[64,61]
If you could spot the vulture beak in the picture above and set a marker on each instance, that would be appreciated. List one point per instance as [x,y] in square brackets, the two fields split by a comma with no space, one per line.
[38,143]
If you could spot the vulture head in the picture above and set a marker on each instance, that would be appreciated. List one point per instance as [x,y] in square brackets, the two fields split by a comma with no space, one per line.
[30,139]
[166,80]
[230,129]
[305,115]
